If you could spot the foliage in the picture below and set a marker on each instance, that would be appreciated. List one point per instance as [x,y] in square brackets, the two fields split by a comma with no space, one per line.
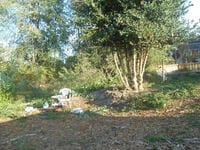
[84,77]
[159,56]
[26,81]
[181,86]
[43,28]
[127,30]
[4,95]
[10,108]
[176,87]
[147,101]
[38,103]
[155,100]
[103,110]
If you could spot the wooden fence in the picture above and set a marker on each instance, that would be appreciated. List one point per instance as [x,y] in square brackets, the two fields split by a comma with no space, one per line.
[178,68]
[189,67]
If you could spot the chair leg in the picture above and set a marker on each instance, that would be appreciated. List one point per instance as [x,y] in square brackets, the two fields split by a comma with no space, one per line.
[69,104]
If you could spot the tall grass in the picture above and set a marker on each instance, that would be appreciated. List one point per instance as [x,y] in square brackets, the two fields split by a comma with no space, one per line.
[9,107]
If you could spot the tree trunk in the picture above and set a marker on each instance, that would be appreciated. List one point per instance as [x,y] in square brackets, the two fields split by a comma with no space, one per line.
[122,77]
[142,65]
[134,73]
[131,69]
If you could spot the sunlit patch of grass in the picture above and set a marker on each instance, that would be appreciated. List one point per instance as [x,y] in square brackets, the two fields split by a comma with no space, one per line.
[195,107]
[11,109]
[38,103]
[103,110]
[95,111]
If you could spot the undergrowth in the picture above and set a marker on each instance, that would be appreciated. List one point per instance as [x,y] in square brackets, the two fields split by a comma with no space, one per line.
[176,87]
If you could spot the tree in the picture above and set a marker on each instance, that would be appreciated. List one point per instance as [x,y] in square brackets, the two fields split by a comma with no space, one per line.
[129,30]
[43,28]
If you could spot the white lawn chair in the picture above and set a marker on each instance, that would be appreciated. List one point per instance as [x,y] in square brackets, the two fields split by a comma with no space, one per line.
[64,97]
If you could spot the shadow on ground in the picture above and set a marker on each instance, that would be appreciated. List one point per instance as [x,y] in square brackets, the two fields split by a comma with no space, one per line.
[91,131]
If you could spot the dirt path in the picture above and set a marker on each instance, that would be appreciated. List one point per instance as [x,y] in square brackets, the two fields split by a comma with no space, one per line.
[175,128]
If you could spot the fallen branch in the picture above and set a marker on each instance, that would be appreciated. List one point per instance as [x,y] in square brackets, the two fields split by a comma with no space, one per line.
[192,140]
[17,138]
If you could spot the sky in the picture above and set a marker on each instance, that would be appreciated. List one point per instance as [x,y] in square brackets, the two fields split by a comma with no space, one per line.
[194,11]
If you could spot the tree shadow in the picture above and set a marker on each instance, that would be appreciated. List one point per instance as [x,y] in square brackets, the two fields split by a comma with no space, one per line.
[90,131]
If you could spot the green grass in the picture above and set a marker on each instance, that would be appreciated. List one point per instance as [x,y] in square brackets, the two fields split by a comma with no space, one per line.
[95,111]
[181,86]
[25,145]
[54,115]
[11,109]
[176,87]
[155,138]
[193,119]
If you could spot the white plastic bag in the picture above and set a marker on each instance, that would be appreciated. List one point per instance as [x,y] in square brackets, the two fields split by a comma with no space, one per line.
[77,110]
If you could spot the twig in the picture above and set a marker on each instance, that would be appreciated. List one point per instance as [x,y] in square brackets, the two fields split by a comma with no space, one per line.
[18,137]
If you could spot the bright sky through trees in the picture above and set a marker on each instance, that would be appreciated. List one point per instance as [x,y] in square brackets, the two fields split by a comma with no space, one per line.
[194,11]
[6,33]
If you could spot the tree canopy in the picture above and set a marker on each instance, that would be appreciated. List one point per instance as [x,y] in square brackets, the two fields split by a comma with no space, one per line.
[130,30]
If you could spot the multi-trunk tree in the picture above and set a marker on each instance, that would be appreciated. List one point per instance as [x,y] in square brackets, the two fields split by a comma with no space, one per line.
[129,30]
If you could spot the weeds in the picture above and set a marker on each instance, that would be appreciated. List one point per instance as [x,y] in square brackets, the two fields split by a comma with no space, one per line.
[103,110]
[147,101]
[11,110]
[193,119]
[54,115]
[155,138]
[177,87]
[95,111]
[25,145]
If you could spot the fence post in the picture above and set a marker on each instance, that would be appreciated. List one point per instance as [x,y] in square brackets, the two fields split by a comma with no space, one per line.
[163,75]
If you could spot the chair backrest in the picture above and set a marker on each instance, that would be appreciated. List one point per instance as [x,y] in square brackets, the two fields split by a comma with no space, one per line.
[66,92]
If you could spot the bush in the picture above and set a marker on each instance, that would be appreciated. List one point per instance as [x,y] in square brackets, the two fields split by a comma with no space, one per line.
[84,77]
[147,101]
[10,109]
[180,94]
[155,100]
[4,95]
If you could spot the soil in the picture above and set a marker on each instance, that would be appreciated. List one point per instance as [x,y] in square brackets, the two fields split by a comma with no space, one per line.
[176,127]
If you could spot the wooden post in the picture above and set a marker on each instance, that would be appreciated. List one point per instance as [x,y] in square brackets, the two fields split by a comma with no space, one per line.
[163,75]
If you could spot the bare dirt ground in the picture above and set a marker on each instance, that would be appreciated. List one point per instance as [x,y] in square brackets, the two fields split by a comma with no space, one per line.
[176,127]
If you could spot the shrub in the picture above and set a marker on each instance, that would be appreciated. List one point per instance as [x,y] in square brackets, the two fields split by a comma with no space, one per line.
[9,107]
[180,93]
[147,101]
[4,95]
[84,77]
[155,100]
